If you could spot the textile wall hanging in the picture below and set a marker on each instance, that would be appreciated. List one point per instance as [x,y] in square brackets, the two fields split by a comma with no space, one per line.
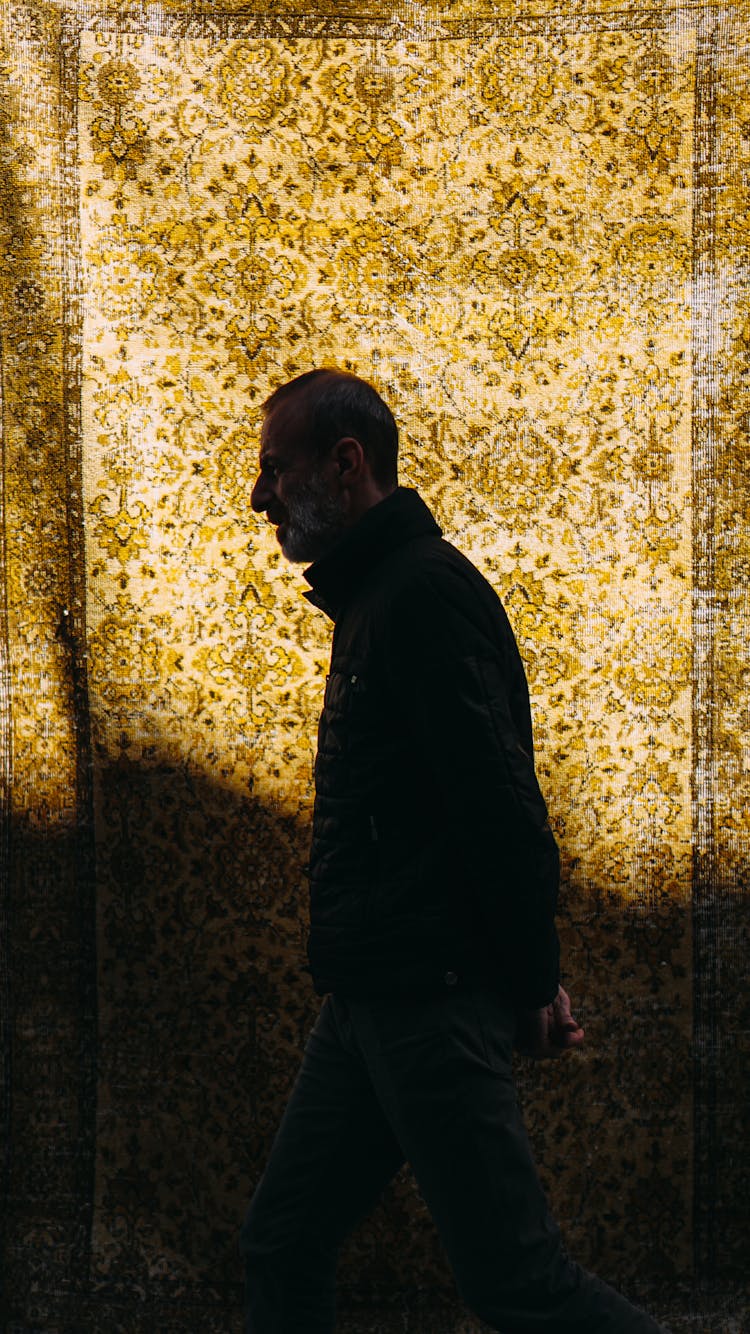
[530,229]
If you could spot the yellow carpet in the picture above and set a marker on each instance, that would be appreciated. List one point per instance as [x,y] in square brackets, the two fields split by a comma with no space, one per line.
[530,229]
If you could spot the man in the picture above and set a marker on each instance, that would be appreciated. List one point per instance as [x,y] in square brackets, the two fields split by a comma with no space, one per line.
[433,883]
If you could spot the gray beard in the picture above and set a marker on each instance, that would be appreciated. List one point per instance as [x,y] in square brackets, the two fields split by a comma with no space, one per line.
[315,520]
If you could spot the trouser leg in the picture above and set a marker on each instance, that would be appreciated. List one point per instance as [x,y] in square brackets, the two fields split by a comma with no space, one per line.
[332,1157]
[443,1073]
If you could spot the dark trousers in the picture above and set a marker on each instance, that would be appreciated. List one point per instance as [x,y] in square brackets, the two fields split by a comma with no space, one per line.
[429,1082]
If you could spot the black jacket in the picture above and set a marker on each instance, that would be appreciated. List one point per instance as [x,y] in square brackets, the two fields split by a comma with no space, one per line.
[432,859]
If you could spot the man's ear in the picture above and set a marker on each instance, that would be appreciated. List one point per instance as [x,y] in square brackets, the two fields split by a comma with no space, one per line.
[350,459]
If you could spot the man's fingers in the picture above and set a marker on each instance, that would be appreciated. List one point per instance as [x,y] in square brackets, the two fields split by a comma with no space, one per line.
[547,1033]
[561,1003]
[571,1037]
[564,1018]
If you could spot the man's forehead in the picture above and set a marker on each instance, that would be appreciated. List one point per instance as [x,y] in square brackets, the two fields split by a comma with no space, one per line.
[269,445]
[284,435]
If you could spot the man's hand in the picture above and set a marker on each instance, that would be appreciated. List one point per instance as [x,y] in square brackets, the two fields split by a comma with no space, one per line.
[550,1031]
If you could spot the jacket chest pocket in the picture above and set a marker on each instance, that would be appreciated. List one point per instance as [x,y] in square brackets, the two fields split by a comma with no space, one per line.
[346,693]
[350,721]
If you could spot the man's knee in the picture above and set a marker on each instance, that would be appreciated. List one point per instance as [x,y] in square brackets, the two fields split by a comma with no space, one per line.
[268,1241]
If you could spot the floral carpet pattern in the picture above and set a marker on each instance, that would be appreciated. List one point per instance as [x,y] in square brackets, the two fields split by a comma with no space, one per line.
[530,227]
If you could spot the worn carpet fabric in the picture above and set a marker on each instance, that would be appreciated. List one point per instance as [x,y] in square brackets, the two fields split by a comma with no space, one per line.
[530,227]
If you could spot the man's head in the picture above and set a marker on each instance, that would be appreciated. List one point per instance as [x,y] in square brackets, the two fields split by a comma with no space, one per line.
[328,452]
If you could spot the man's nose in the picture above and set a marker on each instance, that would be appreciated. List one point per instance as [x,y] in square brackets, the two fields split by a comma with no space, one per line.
[259,496]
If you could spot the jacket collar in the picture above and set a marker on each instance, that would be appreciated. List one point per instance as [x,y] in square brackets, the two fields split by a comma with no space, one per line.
[337,575]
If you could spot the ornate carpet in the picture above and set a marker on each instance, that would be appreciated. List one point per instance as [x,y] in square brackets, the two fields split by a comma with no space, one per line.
[530,227]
